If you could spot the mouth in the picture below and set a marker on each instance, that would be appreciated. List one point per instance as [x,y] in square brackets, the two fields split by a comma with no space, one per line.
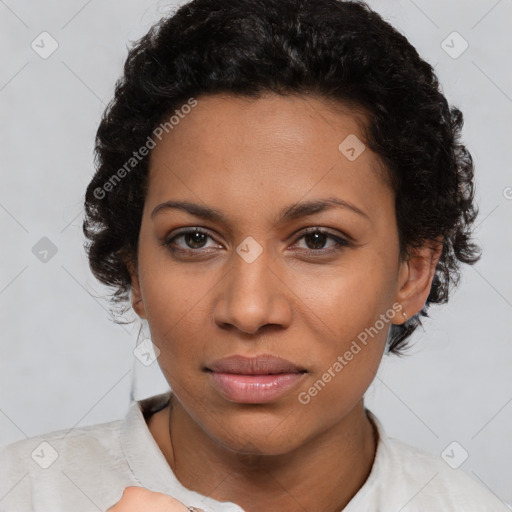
[254,380]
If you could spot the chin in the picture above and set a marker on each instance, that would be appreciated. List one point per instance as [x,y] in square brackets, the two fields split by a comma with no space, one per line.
[253,432]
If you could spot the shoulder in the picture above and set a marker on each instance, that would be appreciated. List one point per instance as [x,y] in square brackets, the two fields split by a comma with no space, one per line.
[408,479]
[66,466]
[430,481]
[43,451]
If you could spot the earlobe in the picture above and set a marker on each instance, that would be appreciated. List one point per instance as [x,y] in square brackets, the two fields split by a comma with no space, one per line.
[415,279]
[138,304]
[135,292]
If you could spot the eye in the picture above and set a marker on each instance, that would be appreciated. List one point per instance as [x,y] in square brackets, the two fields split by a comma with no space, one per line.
[193,240]
[316,238]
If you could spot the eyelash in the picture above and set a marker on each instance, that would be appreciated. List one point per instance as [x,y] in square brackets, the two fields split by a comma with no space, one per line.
[341,243]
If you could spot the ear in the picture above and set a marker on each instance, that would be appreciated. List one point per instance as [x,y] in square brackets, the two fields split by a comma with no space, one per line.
[136,295]
[415,278]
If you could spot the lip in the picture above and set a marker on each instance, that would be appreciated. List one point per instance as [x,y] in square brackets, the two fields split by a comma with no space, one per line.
[254,380]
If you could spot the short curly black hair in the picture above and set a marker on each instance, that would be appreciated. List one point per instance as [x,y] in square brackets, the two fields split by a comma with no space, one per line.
[334,49]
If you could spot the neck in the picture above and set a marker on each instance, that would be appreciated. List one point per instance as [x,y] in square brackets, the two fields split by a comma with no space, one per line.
[323,474]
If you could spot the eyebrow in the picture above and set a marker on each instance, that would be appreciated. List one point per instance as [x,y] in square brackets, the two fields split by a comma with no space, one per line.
[292,212]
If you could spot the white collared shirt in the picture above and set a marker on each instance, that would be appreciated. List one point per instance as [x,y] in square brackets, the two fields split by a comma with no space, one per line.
[86,470]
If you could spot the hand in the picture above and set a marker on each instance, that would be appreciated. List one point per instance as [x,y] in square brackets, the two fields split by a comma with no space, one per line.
[135,499]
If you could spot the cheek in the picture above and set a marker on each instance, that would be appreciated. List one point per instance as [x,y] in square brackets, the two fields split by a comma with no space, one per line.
[176,298]
[340,299]
[343,313]
[348,297]
[346,348]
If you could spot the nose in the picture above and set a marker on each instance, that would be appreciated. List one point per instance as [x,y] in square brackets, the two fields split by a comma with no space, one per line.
[253,296]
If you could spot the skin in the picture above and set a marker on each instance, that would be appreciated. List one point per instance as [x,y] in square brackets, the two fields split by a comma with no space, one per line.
[250,158]
[135,499]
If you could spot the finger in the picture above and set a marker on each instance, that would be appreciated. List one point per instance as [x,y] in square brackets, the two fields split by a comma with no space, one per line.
[135,499]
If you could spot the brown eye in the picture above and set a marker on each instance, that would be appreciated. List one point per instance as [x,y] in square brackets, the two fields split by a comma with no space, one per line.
[315,240]
[190,240]
[195,240]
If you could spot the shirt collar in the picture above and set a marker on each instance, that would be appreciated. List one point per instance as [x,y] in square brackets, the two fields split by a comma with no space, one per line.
[152,471]
[148,463]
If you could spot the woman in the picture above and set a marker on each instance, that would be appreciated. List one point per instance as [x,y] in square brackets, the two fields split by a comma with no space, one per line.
[281,192]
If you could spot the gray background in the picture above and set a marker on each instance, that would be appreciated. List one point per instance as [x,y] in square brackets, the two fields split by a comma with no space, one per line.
[63,361]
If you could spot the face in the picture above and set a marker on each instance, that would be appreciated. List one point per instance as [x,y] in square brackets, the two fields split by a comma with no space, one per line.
[296,258]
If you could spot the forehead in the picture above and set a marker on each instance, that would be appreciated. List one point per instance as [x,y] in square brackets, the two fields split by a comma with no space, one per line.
[238,152]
